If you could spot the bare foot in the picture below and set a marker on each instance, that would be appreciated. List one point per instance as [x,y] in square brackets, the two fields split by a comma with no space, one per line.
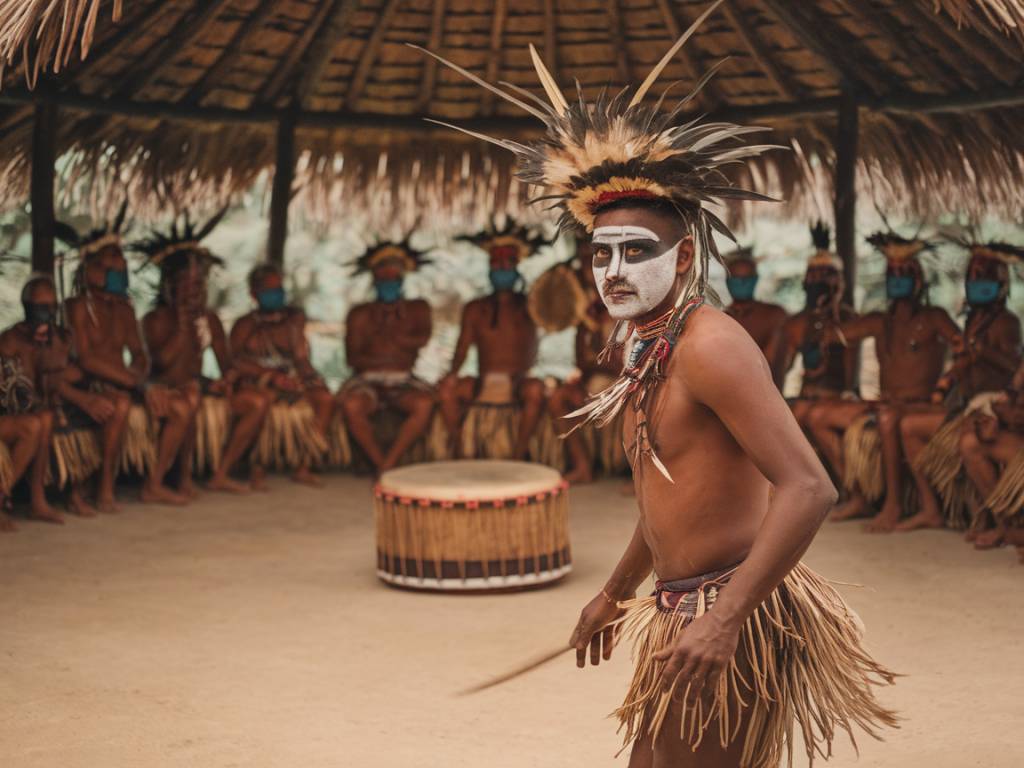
[80,507]
[161,494]
[856,506]
[885,521]
[921,520]
[44,513]
[6,524]
[226,484]
[188,490]
[989,539]
[579,475]
[108,505]
[305,476]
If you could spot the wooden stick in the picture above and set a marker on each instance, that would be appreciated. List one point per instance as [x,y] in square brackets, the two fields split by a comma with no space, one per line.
[527,666]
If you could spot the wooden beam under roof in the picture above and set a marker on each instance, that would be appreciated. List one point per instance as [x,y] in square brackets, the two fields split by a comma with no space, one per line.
[430,64]
[369,55]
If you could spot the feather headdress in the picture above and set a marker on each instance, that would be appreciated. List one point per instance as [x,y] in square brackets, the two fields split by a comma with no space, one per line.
[160,248]
[92,242]
[740,254]
[518,240]
[896,248]
[821,238]
[619,147]
[1004,252]
[401,253]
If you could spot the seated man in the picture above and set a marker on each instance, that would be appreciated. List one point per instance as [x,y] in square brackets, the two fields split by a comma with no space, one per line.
[912,340]
[178,331]
[383,338]
[103,325]
[990,356]
[761,320]
[992,449]
[505,337]
[597,371]
[830,366]
[271,353]
[38,380]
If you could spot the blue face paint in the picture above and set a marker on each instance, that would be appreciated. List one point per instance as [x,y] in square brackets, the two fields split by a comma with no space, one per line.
[388,291]
[982,291]
[741,288]
[899,286]
[271,299]
[811,355]
[504,279]
[116,281]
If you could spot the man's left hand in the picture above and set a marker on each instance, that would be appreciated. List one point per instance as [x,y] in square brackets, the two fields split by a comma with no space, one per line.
[700,654]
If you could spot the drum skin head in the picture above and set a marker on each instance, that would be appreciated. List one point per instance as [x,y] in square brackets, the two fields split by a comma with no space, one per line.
[476,480]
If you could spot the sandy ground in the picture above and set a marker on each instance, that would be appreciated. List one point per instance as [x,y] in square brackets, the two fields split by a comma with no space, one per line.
[252,632]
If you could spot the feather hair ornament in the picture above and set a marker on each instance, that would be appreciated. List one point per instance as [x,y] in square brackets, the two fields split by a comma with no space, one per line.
[620,147]
[161,247]
[403,253]
[92,242]
[522,240]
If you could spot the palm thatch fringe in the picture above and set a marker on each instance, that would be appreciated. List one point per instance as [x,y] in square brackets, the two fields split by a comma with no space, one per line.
[138,451]
[1006,502]
[289,438]
[213,427]
[46,32]
[76,456]
[212,136]
[862,452]
[800,662]
[6,470]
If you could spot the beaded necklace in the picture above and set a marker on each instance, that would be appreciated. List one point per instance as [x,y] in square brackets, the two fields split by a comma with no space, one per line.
[644,370]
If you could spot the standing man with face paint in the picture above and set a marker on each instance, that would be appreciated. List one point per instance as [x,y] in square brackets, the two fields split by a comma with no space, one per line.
[271,352]
[505,337]
[383,339]
[761,320]
[730,492]
[103,326]
[989,357]
[912,341]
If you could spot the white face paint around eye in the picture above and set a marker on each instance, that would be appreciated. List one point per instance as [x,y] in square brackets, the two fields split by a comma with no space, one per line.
[631,288]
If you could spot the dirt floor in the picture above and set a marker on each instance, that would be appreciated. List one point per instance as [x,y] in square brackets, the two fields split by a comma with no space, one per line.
[252,632]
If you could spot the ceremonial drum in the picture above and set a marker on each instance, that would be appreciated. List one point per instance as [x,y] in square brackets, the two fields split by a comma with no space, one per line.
[470,526]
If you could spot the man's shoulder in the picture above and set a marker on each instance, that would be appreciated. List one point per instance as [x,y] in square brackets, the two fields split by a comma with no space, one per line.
[711,335]
[772,310]
[418,305]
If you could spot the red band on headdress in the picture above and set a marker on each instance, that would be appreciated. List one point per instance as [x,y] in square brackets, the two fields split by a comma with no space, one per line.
[606,198]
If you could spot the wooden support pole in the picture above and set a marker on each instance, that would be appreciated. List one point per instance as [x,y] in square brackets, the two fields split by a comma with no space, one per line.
[44,141]
[281,191]
[846,190]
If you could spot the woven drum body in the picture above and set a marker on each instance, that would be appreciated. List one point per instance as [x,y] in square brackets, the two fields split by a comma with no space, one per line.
[472,526]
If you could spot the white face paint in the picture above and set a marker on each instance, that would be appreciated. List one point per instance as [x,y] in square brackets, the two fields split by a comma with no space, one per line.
[632,275]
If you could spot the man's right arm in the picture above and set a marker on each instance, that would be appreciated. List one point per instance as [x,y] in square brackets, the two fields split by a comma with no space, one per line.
[593,627]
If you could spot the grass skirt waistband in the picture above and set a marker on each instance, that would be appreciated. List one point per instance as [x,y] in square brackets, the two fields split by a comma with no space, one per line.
[800,662]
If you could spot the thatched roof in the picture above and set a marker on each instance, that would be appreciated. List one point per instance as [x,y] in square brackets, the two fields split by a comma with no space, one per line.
[183,97]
